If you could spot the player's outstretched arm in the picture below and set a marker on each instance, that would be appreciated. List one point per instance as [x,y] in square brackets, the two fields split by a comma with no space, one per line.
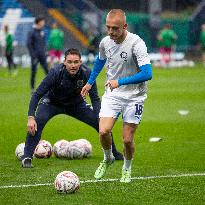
[142,76]
[98,66]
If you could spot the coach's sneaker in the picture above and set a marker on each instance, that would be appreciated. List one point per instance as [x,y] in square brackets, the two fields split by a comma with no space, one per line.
[100,171]
[126,176]
[26,163]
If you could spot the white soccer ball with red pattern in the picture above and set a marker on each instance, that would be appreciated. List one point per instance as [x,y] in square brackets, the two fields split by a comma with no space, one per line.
[67,182]
[60,148]
[43,149]
[20,151]
[87,147]
[76,150]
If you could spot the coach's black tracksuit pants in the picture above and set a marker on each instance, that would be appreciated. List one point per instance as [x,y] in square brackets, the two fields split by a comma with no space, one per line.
[47,110]
[34,63]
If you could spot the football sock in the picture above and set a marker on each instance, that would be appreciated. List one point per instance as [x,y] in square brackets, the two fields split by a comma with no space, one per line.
[107,154]
[127,164]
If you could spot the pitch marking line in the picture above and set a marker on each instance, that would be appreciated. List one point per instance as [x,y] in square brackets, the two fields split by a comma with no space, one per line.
[108,180]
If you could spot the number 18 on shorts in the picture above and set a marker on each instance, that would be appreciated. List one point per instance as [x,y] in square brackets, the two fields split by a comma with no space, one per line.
[131,110]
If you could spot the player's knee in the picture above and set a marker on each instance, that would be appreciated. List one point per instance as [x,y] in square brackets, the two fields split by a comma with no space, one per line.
[104,132]
[127,142]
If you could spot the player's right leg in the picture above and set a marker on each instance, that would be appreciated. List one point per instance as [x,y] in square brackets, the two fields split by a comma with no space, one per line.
[109,112]
[44,113]
[105,126]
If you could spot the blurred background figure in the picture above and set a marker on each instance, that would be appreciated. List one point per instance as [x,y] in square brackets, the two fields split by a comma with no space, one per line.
[167,39]
[155,9]
[55,45]
[202,42]
[9,51]
[37,49]
[94,39]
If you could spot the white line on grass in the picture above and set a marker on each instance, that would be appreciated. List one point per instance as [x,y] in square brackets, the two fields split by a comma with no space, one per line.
[108,180]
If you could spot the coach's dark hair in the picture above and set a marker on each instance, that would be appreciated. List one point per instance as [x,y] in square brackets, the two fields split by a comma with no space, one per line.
[72,51]
[38,19]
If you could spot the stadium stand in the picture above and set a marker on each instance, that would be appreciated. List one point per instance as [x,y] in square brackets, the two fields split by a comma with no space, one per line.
[38,8]
[19,19]
[77,17]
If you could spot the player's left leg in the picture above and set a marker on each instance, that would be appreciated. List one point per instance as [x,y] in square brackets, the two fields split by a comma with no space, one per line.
[132,113]
[129,148]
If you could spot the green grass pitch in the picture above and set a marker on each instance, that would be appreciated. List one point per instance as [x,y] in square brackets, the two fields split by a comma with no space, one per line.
[181,150]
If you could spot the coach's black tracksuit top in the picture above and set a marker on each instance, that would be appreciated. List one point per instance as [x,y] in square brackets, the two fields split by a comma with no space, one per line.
[62,89]
[36,43]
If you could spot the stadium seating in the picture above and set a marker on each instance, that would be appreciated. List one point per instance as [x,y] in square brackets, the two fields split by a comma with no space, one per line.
[13,4]
[18,18]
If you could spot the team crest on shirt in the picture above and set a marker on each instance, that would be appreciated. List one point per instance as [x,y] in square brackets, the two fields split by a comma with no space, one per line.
[123,55]
[80,83]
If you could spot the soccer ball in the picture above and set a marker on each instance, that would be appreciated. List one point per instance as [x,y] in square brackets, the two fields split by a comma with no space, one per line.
[60,148]
[67,182]
[75,150]
[87,147]
[43,149]
[20,151]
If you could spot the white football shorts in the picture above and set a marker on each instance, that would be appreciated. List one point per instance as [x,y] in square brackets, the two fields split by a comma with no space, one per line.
[131,109]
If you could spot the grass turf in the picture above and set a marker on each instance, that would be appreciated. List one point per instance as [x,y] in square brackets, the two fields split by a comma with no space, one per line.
[180,151]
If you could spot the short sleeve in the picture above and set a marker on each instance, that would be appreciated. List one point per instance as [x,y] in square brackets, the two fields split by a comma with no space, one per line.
[140,52]
[102,55]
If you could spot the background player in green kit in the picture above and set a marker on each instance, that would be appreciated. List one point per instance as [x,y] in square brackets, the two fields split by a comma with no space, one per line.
[9,51]
[167,38]
[202,42]
[55,45]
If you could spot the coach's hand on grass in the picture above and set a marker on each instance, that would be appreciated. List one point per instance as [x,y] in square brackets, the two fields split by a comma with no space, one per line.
[112,84]
[85,90]
[32,125]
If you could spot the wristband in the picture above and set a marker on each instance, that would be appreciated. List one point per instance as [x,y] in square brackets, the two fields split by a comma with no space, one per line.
[31,117]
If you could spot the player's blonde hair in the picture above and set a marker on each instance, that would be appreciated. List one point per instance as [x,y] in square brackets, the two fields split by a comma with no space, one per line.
[117,12]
